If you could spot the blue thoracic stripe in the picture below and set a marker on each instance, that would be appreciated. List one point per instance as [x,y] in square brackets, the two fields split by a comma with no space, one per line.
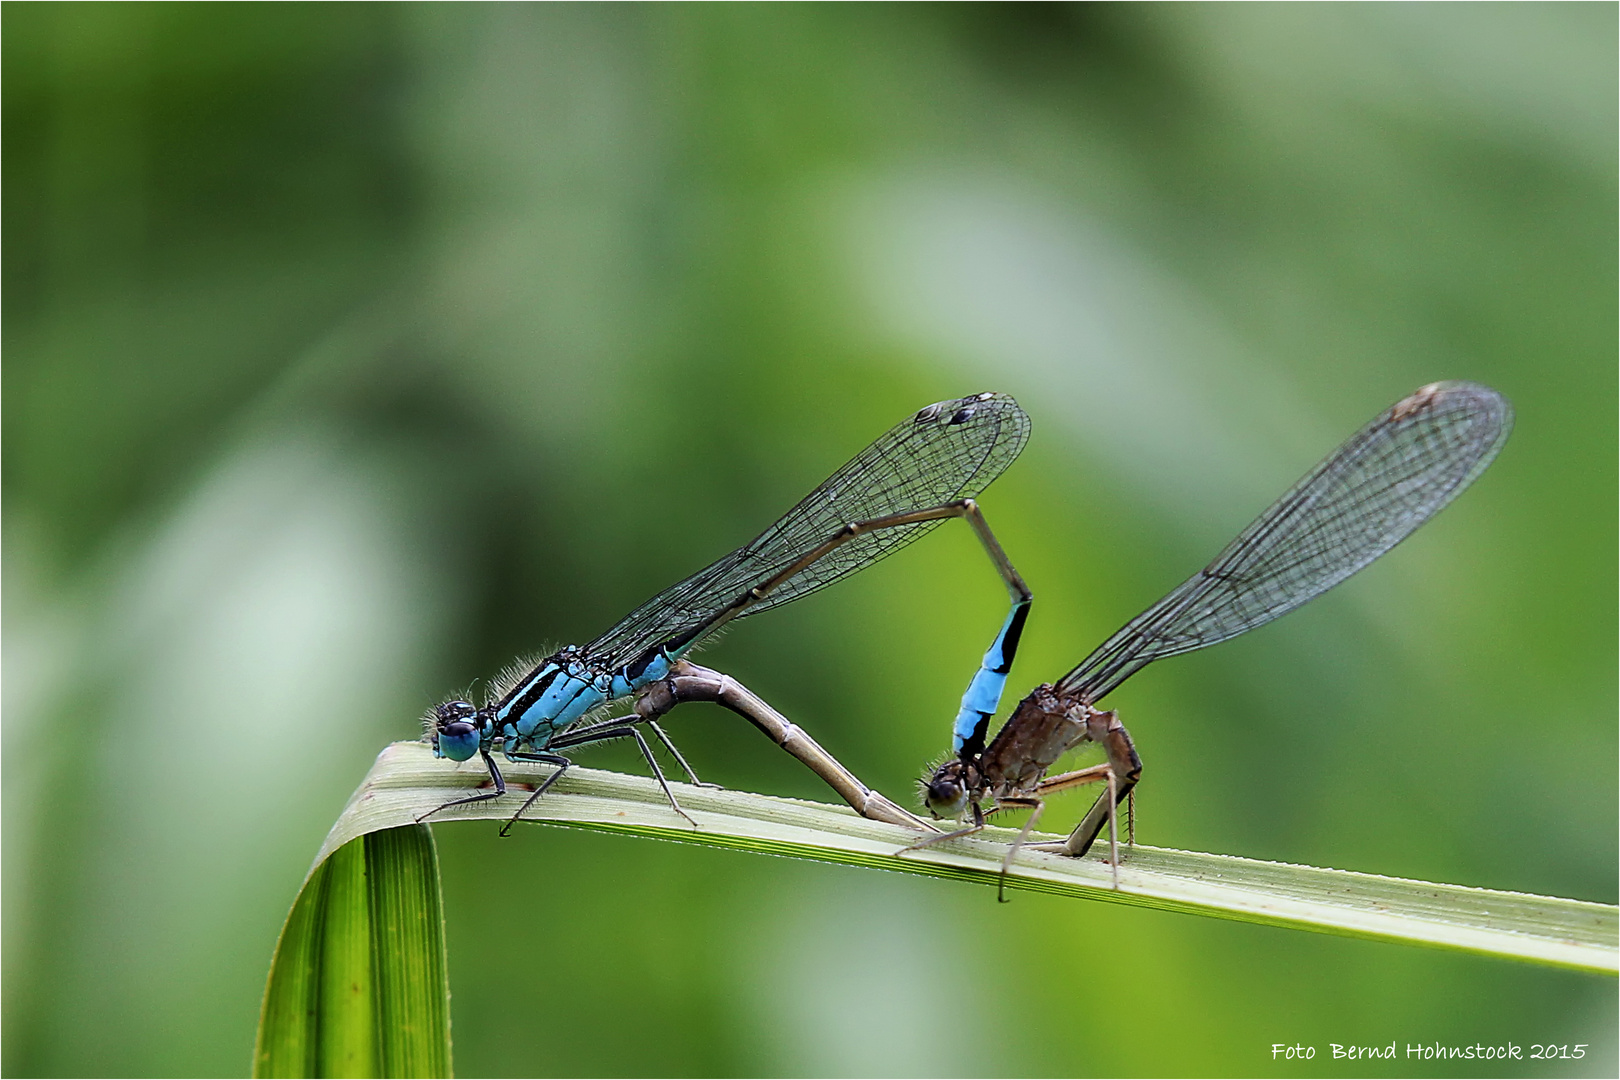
[586,695]
[560,693]
[983,696]
[523,696]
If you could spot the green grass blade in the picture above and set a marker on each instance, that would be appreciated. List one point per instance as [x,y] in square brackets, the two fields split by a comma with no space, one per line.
[346,1021]
[407,932]
[407,781]
[358,985]
[288,1029]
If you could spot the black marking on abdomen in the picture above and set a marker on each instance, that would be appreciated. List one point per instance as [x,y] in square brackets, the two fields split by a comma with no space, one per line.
[1009,641]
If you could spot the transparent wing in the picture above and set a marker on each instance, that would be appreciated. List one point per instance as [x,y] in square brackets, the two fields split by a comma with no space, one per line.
[950,450]
[1369,495]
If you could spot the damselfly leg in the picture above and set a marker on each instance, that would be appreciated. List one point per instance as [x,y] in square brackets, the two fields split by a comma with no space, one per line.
[1035,803]
[496,792]
[595,733]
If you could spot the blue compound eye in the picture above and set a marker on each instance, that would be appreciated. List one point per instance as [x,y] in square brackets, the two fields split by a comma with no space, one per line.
[458,741]
[456,731]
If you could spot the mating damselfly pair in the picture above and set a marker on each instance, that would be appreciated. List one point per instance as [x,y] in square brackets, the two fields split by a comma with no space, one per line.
[1363,499]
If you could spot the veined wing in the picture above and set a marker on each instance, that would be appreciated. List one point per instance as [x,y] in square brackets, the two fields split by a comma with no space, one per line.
[950,450]
[1369,495]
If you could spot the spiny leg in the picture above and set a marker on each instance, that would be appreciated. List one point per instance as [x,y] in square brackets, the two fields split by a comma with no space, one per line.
[600,732]
[558,760]
[1035,808]
[1111,794]
[1090,775]
[939,838]
[1127,768]
[1113,829]
[676,754]
[1101,813]
[482,796]
[1130,818]
[613,728]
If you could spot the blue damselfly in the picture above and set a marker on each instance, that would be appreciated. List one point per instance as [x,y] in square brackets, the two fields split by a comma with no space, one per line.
[923,471]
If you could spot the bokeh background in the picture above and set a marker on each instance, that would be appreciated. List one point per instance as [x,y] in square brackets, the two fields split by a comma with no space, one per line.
[351,351]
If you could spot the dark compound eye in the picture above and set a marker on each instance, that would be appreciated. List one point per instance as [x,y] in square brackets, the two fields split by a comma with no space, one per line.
[944,792]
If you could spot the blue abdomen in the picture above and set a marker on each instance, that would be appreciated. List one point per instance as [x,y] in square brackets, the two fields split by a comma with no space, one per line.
[633,677]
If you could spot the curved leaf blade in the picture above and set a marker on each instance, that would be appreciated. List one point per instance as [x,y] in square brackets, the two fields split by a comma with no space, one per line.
[407,782]
[359,983]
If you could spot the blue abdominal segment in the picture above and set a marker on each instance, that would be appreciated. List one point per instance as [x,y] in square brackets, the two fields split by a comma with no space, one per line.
[983,695]
[628,680]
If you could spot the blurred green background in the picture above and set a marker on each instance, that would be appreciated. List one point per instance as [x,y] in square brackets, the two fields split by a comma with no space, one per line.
[351,351]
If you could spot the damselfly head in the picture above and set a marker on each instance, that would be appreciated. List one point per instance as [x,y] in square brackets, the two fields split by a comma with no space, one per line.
[456,730]
[945,790]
